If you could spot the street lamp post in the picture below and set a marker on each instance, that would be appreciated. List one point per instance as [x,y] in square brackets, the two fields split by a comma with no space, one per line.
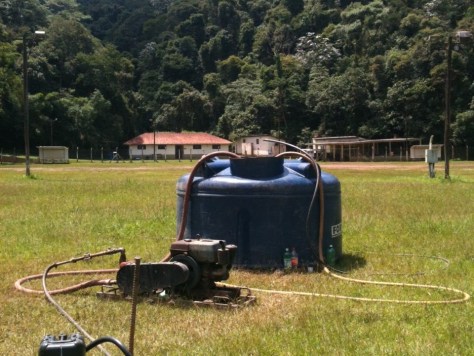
[447,106]
[461,37]
[25,107]
[26,110]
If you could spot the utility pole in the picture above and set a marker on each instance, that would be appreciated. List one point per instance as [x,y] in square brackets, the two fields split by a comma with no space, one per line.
[447,103]
[26,110]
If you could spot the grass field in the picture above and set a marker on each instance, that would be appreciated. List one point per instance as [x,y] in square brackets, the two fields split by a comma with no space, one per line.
[397,224]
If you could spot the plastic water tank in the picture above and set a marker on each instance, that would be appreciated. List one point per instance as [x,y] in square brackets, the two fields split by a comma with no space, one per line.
[261,205]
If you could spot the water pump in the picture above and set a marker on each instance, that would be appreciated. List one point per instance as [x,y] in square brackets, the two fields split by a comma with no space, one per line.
[190,273]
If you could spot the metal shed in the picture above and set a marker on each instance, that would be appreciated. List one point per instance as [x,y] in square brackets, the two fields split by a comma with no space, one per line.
[53,154]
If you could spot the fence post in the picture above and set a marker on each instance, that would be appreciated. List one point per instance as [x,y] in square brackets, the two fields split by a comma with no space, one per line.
[102,154]
[77,153]
[91,154]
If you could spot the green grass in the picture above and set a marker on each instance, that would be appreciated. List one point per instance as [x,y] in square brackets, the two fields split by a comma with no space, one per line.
[396,221]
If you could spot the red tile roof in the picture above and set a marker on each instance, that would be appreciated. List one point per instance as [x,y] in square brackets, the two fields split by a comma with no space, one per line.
[177,138]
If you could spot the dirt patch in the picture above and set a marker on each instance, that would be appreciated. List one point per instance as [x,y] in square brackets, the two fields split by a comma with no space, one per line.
[362,166]
[93,168]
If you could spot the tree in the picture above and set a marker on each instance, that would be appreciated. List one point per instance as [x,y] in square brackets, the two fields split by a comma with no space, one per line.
[294,6]
[228,17]
[78,111]
[23,13]
[177,67]
[262,44]
[248,110]
[246,33]
[229,69]
[340,101]
[193,27]
[105,70]
[408,109]
[314,49]
[65,40]
[10,97]
[190,110]
[463,127]
[305,137]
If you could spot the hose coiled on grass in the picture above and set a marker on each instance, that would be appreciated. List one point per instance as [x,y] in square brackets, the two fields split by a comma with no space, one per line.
[465,296]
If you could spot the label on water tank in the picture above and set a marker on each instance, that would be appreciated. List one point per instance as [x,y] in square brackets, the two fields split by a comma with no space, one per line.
[336,230]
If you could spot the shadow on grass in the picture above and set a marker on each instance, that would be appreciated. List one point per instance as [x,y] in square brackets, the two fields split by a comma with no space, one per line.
[350,262]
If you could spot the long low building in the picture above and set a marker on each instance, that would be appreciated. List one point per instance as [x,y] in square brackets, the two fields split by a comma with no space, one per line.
[175,145]
[353,148]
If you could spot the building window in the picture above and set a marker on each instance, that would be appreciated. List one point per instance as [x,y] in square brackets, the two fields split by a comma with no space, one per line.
[258,141]
[162,147]
[243,140]
[141,147]
[196,147]
[216,147]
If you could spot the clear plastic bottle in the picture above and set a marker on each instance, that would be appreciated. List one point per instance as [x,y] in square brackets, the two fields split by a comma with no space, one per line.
[331,256]
[287,259]
[294,259]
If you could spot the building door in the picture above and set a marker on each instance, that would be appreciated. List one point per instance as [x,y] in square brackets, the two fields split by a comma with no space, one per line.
[178,151]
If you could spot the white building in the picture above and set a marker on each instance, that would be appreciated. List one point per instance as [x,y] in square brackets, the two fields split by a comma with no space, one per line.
[174,145]
[256,145]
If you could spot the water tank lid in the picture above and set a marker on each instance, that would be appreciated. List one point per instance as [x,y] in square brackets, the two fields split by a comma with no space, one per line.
[257,167]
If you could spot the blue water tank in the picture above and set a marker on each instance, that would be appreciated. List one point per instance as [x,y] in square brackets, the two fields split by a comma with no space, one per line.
[261,205]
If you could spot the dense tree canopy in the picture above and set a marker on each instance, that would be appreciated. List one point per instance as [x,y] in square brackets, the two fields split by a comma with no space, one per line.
[107,70]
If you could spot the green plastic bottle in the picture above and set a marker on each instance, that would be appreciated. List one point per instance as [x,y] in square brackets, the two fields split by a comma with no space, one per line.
[287,259]
[331,256]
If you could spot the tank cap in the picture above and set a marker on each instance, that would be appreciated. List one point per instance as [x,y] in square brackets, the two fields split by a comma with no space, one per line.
[256,167]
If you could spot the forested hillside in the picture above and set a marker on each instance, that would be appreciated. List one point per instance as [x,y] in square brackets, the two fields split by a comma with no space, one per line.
[107,70]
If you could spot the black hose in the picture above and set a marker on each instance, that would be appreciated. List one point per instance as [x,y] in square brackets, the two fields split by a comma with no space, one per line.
[61,310]
[110,339]
[57,306]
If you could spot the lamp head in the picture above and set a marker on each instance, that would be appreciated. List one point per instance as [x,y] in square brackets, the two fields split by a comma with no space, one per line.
[464,36]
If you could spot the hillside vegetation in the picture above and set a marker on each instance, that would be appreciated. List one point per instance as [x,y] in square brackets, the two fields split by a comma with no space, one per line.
[108,70]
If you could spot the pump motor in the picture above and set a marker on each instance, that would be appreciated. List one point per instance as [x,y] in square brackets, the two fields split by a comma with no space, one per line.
[63,345]
[191,273]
